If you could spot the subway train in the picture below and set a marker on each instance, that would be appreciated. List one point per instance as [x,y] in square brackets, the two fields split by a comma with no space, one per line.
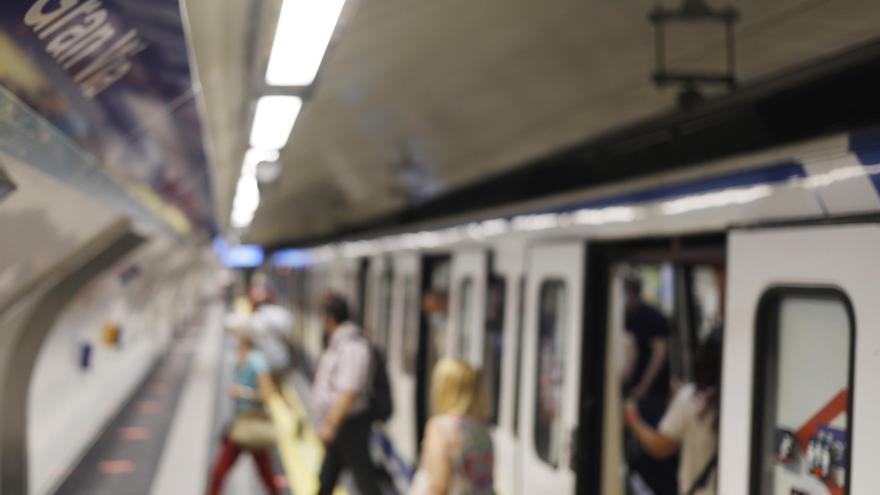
[779,247]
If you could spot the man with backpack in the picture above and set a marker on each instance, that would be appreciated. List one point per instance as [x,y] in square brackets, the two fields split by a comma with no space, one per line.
[347,400]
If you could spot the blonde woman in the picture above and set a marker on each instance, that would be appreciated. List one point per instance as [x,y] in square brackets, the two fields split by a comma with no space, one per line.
[457,456]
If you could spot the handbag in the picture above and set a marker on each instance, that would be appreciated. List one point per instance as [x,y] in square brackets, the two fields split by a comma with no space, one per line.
[703,478]
[252,429]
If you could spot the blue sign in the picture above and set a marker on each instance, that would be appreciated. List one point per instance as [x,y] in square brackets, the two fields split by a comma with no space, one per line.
[291,258]
[238,256]
[114,77]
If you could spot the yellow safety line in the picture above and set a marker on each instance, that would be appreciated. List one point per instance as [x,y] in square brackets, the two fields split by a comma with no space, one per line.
[300,448]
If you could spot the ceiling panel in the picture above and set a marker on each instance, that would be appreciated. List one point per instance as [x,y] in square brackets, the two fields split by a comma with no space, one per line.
[417,98]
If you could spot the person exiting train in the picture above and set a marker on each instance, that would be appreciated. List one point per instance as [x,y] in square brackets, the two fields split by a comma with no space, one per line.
[689,425]
[646,379]
[251,430]
[340,393]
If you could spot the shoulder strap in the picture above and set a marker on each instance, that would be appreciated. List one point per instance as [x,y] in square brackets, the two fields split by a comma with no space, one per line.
[703,478]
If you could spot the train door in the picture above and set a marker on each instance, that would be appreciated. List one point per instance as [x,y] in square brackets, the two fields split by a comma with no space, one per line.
[403,353]
[377,320]
[801,352]
[468,305]
[433,327]
[654,300]
[551,366]
[320,278]
[346,280]
[362,294]
[508,270]
[369,315]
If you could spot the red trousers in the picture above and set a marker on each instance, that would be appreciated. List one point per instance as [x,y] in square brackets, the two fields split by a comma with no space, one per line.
[229,452]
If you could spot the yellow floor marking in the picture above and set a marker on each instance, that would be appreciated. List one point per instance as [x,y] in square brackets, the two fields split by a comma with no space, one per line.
[300,448]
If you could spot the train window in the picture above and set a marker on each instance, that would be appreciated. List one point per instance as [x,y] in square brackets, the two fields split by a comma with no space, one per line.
[552,341]
[493,343]
[803,393]
[410,326]
[465,317]
[520,319]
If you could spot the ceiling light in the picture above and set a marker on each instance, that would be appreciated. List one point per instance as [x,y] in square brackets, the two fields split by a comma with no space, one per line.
[247,193]
[301,38]
[273,121]
[241,219]
[246,201]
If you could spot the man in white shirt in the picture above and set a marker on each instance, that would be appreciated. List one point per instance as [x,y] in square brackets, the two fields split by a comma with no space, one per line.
[340,394]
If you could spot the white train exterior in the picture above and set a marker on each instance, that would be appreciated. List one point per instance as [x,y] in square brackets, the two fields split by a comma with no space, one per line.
[795,231]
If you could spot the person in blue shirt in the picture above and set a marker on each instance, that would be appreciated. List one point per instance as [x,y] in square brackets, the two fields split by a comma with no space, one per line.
[251,386]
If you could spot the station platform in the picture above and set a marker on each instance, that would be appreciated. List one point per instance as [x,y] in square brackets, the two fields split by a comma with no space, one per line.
[166,436]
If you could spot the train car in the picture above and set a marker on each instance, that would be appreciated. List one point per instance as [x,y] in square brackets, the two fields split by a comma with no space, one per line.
[779,247]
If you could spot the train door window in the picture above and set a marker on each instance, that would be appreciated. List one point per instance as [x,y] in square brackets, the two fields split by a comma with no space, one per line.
[435,306]
[493,344]
[520,321]
[803,386]
[552,337]
[707,283]
[465,317]
[410,345]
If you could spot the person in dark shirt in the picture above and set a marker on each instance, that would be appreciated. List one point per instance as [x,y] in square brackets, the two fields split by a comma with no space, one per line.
[646,383]
[647,370]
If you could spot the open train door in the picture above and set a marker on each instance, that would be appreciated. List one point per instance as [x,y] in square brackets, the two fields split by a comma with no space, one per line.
[551,365]
[403,354]
[801,353]
[467,305]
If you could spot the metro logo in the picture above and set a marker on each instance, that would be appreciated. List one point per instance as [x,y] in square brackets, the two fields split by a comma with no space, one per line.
[74,31]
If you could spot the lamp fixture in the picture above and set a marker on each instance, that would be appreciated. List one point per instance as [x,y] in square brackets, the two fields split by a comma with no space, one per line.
[691,12]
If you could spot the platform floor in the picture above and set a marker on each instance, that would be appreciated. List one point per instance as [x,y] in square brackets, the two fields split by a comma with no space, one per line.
[164,439]
[124,459]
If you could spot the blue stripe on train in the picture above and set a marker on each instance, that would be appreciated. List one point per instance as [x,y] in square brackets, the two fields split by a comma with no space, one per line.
[866,146]
[777,172]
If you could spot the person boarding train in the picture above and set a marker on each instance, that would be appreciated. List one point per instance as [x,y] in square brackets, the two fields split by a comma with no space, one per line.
[341,394]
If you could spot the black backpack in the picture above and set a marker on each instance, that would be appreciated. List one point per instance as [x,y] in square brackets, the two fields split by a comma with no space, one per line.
[380,406]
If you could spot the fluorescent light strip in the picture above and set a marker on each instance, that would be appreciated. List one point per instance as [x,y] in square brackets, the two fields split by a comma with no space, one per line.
[301,38]
[246,201]
[273,121]
[247,191]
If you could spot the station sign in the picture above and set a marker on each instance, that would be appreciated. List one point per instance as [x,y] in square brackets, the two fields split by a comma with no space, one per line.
[115,78]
